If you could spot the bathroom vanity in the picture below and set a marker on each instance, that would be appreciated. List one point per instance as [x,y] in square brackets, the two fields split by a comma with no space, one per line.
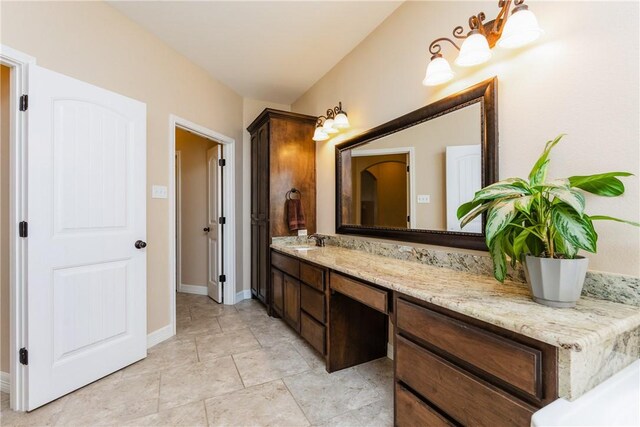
[467,350]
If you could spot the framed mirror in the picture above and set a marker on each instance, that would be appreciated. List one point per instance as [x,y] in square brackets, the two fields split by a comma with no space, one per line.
[405,179]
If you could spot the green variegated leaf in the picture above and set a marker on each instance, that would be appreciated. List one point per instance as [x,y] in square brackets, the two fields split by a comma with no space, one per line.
[576,229]
[474,213]
[564,247]
[465,208]
[538,173]
[519,243]
[603,184]
[610,218]
[498,192]
[499,216]
[524,203]
[535,246]
[499,259]
[570,197]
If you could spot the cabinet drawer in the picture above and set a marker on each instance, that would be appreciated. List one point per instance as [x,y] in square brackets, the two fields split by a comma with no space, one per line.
[289,265]
[512,362]
[359,291]
[312,276]
[312,302]
[465,398]
[413,412]
[313,332]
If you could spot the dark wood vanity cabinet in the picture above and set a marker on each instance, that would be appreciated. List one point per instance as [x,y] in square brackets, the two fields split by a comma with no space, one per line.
[299,297]
[282,157]
[454,370]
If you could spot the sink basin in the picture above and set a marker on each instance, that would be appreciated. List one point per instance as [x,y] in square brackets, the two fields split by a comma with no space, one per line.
[303,248]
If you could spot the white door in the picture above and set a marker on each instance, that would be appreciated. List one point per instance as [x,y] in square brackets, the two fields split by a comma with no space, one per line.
[86,288]
[464,178]
[214,226]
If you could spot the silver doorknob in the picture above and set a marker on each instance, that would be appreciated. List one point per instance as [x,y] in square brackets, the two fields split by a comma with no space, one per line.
[140,244]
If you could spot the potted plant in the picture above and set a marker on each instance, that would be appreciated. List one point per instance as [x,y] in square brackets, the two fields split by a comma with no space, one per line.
[542,224]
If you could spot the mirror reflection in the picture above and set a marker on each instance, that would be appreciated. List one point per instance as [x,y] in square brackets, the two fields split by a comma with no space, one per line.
[417,177]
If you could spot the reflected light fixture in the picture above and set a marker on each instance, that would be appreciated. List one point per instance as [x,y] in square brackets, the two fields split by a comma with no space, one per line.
[335,121]
[507,31]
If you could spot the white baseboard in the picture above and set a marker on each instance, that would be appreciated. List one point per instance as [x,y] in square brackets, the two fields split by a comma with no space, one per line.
[193,289]
[5,382]
[159,335]
[390,350]
[242,295]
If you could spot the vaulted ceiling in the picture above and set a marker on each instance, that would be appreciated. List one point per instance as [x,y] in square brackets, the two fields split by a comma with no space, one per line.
[267,50]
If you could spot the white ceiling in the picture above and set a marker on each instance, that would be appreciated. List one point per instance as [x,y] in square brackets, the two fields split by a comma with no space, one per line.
[267,50]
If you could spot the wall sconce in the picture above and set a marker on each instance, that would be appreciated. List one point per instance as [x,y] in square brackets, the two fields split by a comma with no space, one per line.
[335,120]
[516,30]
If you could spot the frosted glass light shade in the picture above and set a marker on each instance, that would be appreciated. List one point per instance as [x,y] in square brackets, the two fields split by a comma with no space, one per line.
[341,121]
[438,72]
[474,50]
[320,134]
[521,29]
[328,126]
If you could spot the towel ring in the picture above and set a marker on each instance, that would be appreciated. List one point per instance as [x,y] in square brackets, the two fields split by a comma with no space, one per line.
[293,191]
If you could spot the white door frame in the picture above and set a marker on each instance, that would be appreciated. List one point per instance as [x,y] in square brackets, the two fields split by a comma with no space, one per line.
[19,64]
[411,151]
[178,219]
[229,187]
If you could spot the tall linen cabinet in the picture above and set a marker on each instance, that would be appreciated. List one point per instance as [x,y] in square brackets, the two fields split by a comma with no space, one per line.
[283,157]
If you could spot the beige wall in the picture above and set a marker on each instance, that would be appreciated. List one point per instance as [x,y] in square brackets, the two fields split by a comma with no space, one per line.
[4,217]
[93,42]
[193,206]
[581,78]
[251,109]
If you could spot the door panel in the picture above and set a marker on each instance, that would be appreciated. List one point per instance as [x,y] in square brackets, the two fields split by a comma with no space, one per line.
[86,292]
[464,178]
[292,302]
[214,235]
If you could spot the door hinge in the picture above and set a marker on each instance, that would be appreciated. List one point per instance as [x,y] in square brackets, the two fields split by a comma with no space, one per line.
[24,356]
[222,162]
[222,278]
[222,220]
[408,218]
[24,102]
[407,168]
[23,229]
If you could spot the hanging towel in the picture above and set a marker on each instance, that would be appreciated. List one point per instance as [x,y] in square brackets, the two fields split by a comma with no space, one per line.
[295,215]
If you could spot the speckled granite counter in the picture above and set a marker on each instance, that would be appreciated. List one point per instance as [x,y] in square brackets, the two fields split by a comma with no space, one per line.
[595,339]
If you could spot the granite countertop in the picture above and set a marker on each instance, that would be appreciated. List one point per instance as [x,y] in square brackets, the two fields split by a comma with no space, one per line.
[594,333]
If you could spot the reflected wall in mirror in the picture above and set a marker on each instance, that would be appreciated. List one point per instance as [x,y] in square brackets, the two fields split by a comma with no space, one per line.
[405,179]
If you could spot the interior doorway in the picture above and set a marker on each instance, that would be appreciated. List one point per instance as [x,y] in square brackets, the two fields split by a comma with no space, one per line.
[199,231]
[5,210]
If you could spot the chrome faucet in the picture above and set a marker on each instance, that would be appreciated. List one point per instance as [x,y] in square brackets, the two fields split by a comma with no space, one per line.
[319,239]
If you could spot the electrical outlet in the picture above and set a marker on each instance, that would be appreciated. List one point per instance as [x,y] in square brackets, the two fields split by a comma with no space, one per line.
[159,192]
[424,198]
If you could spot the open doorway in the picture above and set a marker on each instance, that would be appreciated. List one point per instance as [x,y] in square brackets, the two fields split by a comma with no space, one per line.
[5,210]
[199,219]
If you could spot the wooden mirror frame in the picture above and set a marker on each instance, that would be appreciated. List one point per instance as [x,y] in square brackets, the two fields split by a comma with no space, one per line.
[486,93]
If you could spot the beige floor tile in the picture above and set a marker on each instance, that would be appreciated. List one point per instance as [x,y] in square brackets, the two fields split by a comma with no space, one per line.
[198,381]
[268,404]
[273,332]
[210,311]
[225,344]
[189,415]
[166,355]
[380,373]
[376,414]
[198,327]
[112,400]
[309,354]
[46,415]
[250,305]
[323,396]
[236,321]
[268,364]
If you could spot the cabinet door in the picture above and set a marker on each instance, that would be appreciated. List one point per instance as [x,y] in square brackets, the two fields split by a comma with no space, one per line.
[292,302]
[277,290]
[255,220]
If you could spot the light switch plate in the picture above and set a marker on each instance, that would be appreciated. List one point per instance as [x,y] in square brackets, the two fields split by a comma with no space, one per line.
[424,198]
[159,192]
[302,232]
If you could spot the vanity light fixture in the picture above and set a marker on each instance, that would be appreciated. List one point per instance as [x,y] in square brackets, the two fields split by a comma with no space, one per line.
[516,30]
[335,120]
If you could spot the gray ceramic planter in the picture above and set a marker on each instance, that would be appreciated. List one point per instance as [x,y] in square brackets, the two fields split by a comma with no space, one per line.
[556,282]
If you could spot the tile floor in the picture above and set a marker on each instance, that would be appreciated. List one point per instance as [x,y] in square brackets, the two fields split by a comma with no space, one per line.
[227,366]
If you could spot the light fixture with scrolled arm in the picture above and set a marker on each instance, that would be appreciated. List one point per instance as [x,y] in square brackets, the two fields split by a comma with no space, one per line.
[335,120]
[507,31]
